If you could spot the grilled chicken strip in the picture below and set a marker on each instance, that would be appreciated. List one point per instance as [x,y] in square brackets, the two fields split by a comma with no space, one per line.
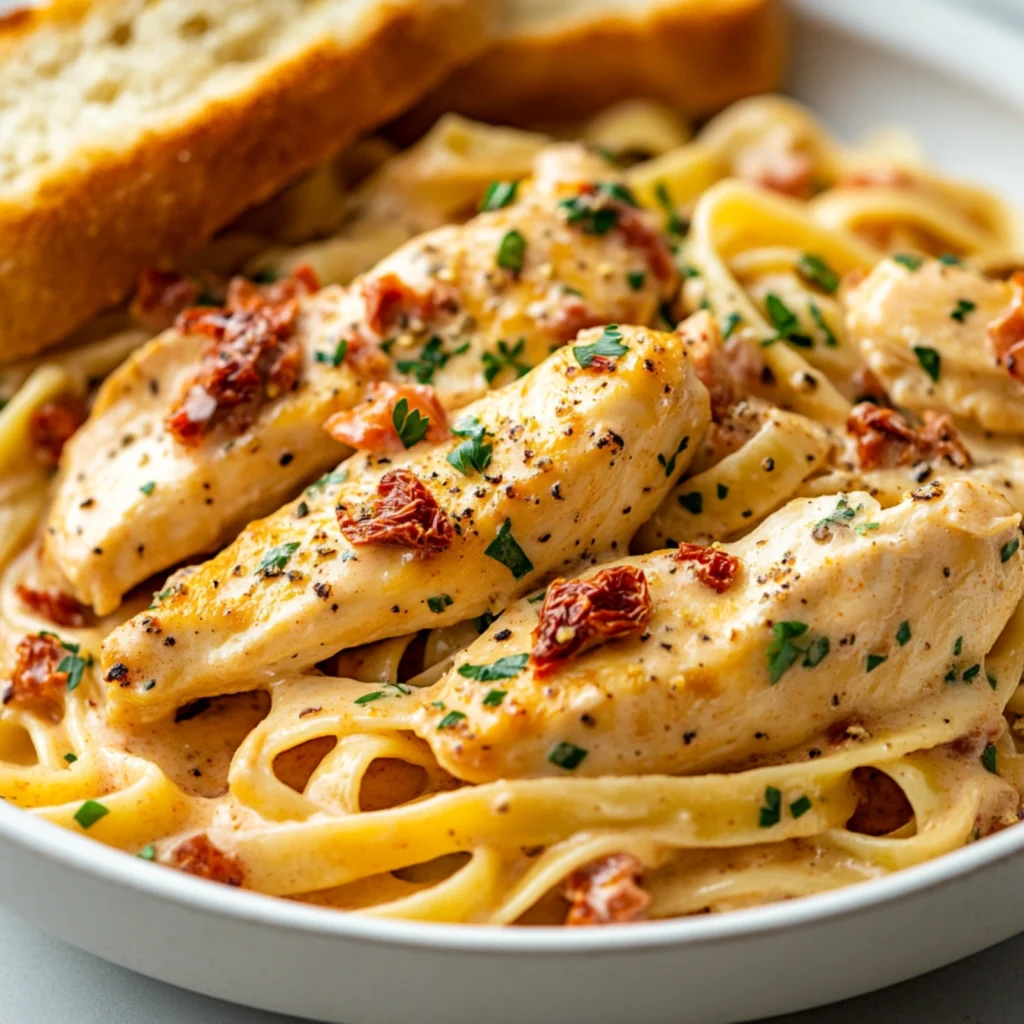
[940,338]
[549,473]
[829,617]
[167,468]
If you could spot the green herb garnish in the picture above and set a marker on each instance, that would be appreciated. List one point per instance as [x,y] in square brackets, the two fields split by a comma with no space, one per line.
[908,260]
[148,488]
[1009,549]
[507,356]
[771,812]
[512,252]
[277,558]
[505,549]
[988,758]
[873,661]
[439,603]
[335,358]
[785,322]
[609,345]
[411,426]
[963,307]
[798,808]
[815,270]
[499,194]
[903,633]
[930,360]
[89,813]
[504,668]
[669,465]
[567,755]
[693,502]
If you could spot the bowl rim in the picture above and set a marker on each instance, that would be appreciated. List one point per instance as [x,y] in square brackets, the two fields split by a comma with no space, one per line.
[95,860]
[935,33]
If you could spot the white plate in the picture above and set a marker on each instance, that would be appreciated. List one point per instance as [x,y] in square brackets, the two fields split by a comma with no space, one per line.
[959,83]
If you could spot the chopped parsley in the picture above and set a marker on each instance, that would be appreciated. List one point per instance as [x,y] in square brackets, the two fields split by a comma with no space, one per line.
[669,465]
[483,622]
[277,558]
[90,812]
[338,476]
[512,252]
[507,356]
[470,454]
[862,528]
[958,647]
[439,603]
[992,681]
[493,698]
[636,279]
[798,808]
[785,322]
[784,651]
[963,307]
[369,698]
[674,224]
[567,755]
[732,321]
[335,358]
[450,720]
[908,260]
[930,360]
[70,758]
[872,661]
[432,358]
[771,811]
[722,491]
[903,633]
[505,549]
[148,852]
[970,674]
[410,425]
[950,259]
[822,324]
[609,344]
[594,220]
[693,502]
[499,194]
[1009,549]
[816,652]
[988,758]
[148,488]
[75,665]
[504,668]
[815,270]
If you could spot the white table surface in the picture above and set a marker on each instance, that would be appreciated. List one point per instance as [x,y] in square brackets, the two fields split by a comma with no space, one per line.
[44,981]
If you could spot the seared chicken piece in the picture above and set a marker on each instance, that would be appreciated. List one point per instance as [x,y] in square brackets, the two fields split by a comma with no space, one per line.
[459,308]
[924,333]
[551,472]
[828,618]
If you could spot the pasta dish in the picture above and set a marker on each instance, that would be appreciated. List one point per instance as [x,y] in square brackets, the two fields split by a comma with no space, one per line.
[535,529]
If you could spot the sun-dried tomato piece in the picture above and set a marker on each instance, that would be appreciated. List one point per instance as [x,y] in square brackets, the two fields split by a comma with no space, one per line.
[392,304]
[370,425]
[160,296]
[714,567]
[580,614]
[405,514]
[1006,332]
[777,164]
[252,356]
[638,233]
[58,607]
[198,856]
[36,685]
[635,227]
[606,891]
[572,316]
[884,439]
[704,347]
[876,177]
[52,425]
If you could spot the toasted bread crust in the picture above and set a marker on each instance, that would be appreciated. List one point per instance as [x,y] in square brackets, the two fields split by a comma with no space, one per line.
[696,55]
[90,228]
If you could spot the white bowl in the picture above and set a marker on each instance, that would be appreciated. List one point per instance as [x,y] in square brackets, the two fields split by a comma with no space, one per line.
[959,83]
